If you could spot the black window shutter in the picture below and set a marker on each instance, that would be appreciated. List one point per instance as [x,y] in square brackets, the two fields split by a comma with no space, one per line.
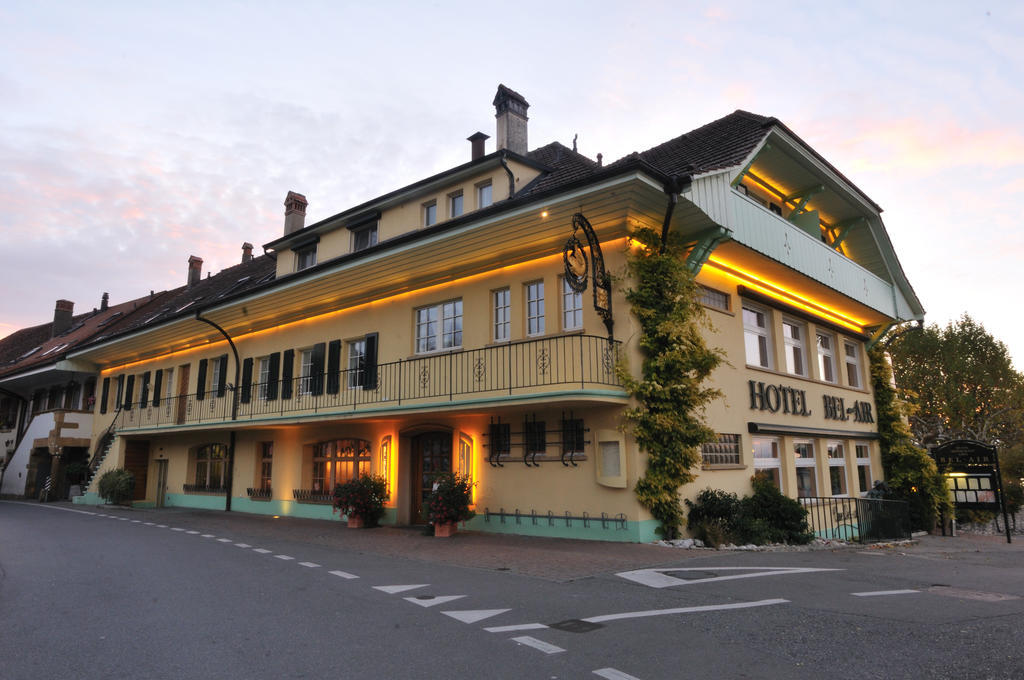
[287,373]
[104,395]
[119,399]
[273,375]
[158,383]
[201,380]
[129,388]
[144,392]
[246,381]
[369,377]
[222,379]
[333,366]
[316,371]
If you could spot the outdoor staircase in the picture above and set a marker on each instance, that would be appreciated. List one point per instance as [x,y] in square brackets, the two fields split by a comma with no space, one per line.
[103,447]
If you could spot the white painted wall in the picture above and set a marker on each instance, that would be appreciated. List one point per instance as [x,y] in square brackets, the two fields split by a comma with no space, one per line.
[39,428]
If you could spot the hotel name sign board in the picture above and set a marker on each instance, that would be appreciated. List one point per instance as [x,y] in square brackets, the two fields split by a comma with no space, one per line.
[790,400]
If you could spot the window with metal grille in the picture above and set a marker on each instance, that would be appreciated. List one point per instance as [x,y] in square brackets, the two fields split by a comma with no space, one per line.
[723,451]
[534,436]
[572,435]
[500,439]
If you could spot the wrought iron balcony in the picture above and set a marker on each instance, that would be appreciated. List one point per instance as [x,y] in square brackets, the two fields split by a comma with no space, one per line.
[581,362]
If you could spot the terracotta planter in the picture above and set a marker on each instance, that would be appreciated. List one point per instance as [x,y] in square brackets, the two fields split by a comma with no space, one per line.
[445,529]
[356,522]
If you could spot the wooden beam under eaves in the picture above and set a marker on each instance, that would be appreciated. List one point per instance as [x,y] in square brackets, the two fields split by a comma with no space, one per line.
[845,227]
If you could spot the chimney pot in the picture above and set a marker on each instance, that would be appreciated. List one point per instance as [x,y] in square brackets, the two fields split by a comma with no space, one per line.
[104,301]
[294,212]
[195,270]
[510,110]
[246,252]
[477,140]
[62,313]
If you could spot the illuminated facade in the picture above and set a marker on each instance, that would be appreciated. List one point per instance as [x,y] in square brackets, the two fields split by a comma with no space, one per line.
[441,327]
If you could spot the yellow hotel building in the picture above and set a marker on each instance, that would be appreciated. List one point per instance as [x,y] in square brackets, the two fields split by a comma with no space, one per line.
[433,328]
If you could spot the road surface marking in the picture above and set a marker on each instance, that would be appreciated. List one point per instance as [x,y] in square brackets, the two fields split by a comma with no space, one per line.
[474,615]
[243,545]
[874,593]
[176,529]
[161,526]
[209,535]
[225,540]
[192,532]
[682,610]
[284,557]
[971,594]
[136,521]
[613,674]
[510,629]
[149,524]
[311,565]
[431,600]
[343,574]
[262,551]
[657,578]
[538,644]
[391,590]
[35,504]
[123,519]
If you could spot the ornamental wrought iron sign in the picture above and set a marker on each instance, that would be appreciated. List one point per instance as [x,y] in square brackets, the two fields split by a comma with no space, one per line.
[971,471]
[578,265]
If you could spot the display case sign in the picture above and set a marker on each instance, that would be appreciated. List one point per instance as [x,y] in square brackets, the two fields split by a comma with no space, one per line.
[971,471]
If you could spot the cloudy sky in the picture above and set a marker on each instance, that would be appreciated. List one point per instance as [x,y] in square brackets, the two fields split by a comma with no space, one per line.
[133,135]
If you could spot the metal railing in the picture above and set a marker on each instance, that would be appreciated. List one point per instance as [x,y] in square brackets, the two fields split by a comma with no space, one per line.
[864,520]
[312,496]
[534,365]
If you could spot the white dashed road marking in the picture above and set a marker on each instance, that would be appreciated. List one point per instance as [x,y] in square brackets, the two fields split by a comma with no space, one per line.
[284,557]
[149,524]
[176,529]
[161,526]
[342,574]
[136,521]
[430,601]
[657,578]
[209,535]
[262,551]
[193,533]
[875,593]
[682,610]
[474,615]
[243,545]
[311,565]
[510,629]
[225,540]
[612,674]
[391,590]
[538,644]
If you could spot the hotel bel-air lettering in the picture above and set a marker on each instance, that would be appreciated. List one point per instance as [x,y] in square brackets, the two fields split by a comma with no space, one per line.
[775,398]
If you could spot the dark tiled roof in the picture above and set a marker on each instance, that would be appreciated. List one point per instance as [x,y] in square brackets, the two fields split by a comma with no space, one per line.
[723,143]
[566,166]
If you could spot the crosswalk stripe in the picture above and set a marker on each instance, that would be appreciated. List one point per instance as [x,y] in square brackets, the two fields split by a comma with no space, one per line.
[538,644]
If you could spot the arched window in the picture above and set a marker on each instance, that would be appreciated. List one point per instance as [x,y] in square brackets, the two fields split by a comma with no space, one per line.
[339,460]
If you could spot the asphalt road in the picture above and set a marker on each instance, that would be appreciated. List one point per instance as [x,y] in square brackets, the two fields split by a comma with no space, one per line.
[104,593]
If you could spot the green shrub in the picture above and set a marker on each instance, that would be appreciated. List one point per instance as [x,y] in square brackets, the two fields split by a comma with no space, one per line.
[766,516]
[117,486]
[450,498]
[362,497]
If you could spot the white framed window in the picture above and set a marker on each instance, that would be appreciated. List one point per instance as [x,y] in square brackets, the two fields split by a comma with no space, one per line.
[767,462]
[439,326]
[572,307]
[364,237]
[502,315]
[806,468]
[851,352]
[484,195]
[793,334]
[535,308]
[715,299]
[336,462]
[826,357]
[455,204]
[356,362]
[837,468]
[214,376]
[305,371]
[862,451]
[263,377]
[168,384]
[756,336]
[266,465]
[429,213]
[305,257]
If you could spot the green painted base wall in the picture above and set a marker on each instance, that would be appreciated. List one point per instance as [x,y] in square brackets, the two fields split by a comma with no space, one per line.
[89,498]
[634,532]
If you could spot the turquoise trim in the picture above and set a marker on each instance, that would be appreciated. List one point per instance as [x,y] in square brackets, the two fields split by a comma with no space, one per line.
[143,504]
[299,416]
[635,531]
[181,500]
[89,498]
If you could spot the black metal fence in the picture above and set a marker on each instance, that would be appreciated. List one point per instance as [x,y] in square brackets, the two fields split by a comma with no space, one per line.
[532,365]
[865,520]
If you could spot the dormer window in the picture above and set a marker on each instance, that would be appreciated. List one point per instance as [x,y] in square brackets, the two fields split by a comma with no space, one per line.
[364,237]
[484,196]
[429,213]
[455,204]
[305,253]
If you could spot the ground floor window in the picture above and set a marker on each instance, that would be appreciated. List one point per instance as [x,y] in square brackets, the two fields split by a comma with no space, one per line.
[806,474]
[210,468]
[837,468]
[863,452]
[337,461]
[767,463]
[266,464]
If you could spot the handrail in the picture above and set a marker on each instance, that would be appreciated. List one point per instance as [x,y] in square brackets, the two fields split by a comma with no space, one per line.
[103,440]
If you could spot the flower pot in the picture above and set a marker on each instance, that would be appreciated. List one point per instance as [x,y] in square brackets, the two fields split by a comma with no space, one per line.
[445,529]
[356,522]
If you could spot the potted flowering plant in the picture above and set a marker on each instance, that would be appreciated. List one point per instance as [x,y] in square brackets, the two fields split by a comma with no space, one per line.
[449,502]
[362,500]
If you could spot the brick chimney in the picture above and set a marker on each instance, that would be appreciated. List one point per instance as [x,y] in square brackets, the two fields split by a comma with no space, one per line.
[246,252]
[104,301]
[62,313]
[477,139]
[510,110]
[294,212]
[195,270]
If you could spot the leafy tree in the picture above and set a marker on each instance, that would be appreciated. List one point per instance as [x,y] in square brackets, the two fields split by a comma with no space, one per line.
[670,395]
[961,383]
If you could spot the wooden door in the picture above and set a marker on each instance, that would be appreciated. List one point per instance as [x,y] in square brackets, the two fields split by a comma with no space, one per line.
[161,483]
[431,453]
[136,461]
[182,392]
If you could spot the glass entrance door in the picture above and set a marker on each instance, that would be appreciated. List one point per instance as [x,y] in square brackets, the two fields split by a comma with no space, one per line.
[432,453]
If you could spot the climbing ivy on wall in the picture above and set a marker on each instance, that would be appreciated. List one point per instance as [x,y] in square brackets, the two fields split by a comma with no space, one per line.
[909,471]
[667,421]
